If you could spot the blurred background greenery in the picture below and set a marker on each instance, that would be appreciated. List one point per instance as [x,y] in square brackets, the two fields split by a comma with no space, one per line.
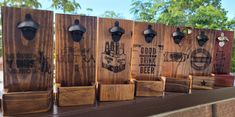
[233,59]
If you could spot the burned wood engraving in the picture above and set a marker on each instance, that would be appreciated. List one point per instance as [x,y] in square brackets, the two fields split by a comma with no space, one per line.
[203,83]
[147,60]
[175,57]
[200,59]
[25,63]
[72,54]
[114,58]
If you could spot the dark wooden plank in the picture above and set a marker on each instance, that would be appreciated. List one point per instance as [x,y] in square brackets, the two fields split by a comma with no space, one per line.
[27,63]
[201,57]
[176,63]
[181,85]
[147,57]
[75,61]
[113,58]
[224,80]
[223,54]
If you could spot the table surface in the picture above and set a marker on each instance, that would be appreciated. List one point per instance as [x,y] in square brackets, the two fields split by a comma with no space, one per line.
[143,106]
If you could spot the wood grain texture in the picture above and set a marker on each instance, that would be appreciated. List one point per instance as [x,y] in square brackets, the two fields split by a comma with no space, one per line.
[116,92]
[224,80]
[27,102]
[147,57]
[176,63]
[202,57]
[75,61]
[203,82]
[113,58]
[74,96]
[223,55]
[150,88]
[181,85]
[27,64]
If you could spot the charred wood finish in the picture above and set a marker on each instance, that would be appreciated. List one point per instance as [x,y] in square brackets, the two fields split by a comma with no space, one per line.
[176,63]
[201,58]
[27,63]
[113,58]
[224,80]
[181,85]
[147,56]
[223,55]
[75,60]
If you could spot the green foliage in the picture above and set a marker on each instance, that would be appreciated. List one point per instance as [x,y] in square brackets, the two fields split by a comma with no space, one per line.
[66,5]
[145,10]
[193,13]
[22,3]
[233,58]
[111,14]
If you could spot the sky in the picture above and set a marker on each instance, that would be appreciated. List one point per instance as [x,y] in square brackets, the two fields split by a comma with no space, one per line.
[122,7]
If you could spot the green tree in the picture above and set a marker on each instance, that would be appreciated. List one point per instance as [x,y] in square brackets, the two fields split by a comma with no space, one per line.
[21,3]
[233,58]
[145,10]
[111,14]
[194,13]
[66,5]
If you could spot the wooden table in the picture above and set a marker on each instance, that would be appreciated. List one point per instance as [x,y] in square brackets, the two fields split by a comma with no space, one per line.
[171,103]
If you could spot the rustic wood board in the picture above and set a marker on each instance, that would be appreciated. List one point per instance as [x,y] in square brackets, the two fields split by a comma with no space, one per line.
[116,92]
[27,64]
[113,58]
[201,58]
[74,96]
[147,57]
[224,80]
[150,88]
[223,55]
[27,102]
[203,82]
[175,62]
[181,85]
[75,61]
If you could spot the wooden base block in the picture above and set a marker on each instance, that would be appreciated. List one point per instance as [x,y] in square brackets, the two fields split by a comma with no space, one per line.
[203,82]
[181,85]
[116,92]
[150,88]
[26,102]
[74,96]
[224,80]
